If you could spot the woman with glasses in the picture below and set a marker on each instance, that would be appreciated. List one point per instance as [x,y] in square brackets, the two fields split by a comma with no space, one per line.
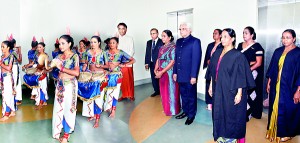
[284,90]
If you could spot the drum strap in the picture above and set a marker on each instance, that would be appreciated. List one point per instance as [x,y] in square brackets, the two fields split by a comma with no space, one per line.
[43,76]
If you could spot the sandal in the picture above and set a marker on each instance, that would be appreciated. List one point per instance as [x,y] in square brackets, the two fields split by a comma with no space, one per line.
[285,139]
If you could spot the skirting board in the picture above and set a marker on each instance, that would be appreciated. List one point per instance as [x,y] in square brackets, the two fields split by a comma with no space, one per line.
[148,80]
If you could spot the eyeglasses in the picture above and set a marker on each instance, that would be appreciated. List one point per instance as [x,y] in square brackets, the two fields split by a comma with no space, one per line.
[288,38]
[182,29]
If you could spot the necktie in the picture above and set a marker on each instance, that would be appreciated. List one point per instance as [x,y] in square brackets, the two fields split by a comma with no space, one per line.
[153,45]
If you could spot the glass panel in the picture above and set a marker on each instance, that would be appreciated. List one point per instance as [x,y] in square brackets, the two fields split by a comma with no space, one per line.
[274,16]
[176,18]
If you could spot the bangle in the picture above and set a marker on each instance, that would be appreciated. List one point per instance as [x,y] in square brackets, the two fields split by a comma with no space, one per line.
[62,69]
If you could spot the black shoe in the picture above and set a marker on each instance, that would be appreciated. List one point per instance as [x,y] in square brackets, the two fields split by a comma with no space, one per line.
[182,115]
[189,121]
[154,94]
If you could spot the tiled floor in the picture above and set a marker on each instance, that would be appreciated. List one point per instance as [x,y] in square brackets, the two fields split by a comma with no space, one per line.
[138,121]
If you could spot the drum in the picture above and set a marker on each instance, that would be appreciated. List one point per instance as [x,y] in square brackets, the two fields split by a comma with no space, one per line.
[88,90]
[31,80]
[53,63]
[99,76]
[84,77]
[30,71]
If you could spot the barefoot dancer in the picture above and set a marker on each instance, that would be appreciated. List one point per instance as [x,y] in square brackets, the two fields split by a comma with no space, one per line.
[41,61]
[93,95]
[64,110]
[7,87]
[116,60]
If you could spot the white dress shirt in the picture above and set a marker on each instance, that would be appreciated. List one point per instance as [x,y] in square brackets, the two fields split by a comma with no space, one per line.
[155,41]
[126,44]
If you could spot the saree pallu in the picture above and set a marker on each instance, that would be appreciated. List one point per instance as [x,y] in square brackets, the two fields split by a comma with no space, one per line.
[127,86]
[251,97]
[272,129]
[112,89]
[8,98]
[64,109]
[169,92]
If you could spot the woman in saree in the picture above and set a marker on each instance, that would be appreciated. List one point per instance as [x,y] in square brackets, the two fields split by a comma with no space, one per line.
[211,48]
[284,90]
[254,54]
[169,90]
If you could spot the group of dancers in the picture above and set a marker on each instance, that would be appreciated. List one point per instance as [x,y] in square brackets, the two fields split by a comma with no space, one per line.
[95,75]
[88,73]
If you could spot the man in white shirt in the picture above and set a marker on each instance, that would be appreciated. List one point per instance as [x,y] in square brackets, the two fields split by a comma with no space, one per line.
[126,44]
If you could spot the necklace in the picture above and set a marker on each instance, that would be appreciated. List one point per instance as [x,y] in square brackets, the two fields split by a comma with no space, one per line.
[164,47]
[65,56]
[224,52]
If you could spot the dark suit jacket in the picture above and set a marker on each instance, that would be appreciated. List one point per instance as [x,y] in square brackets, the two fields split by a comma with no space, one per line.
[154,53]
[187,58]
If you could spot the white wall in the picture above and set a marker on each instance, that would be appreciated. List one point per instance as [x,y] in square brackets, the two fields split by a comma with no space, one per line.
[49,18]
[208,15]
[10,19]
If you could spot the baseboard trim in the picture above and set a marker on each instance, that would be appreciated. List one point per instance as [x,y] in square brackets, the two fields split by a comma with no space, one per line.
[142,81]
[200,96]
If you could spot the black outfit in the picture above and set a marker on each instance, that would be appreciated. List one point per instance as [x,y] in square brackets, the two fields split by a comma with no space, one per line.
[233,73]
[208,54]
[255,100]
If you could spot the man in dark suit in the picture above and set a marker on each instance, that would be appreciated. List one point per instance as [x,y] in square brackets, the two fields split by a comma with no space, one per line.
[152,49]
[186,69]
